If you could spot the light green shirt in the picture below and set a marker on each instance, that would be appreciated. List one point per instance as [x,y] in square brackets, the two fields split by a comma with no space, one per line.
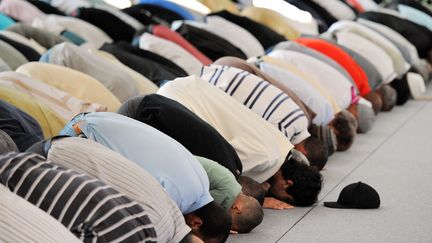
[224,188]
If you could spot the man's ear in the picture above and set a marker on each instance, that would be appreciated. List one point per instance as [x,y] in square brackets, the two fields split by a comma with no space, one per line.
[289,183]
[236,207]
[193,221]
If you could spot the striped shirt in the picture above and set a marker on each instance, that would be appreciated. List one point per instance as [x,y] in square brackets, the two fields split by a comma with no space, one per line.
[21,221]
[93,159]
[261,97]
[90,209]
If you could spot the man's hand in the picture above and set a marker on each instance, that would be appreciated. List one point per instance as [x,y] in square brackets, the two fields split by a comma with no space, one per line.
[273,203]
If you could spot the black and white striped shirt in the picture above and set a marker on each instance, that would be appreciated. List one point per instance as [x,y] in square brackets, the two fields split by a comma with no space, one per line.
[261,97]
[90,209]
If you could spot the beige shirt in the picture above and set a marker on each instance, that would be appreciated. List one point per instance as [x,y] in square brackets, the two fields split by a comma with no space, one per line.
[21,221]
[62,103]
[77,84]
[261,147]
[91,158]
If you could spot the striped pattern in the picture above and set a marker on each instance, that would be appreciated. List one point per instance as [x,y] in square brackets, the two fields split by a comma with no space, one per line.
[261,97]
[90,209]
[88,157]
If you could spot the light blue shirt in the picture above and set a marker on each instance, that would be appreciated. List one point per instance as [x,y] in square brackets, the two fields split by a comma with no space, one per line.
[5,21]
[415,16]
[178,171]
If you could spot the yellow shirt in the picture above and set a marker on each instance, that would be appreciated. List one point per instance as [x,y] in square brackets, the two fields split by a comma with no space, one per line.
[50,122]
[219,5]
[273,20]
[293,69]
[75,83]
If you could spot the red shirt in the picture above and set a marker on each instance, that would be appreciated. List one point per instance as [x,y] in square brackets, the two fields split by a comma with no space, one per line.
[342,58]
[168,34]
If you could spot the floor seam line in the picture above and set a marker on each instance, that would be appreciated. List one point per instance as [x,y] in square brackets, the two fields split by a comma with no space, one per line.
[354,169]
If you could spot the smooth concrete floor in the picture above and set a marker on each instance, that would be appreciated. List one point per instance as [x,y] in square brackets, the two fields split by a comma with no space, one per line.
[395,158]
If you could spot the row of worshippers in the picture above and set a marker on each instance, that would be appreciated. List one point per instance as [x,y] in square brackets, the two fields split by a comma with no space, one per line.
[219,113]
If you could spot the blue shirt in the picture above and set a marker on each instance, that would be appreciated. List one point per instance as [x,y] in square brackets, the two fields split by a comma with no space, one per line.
[170,6]
[178,171]
[5,21]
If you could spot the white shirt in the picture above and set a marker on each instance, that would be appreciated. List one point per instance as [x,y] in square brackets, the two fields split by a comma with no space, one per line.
[370,51]
[261,97]
[334,82]
[307,93]
[170,51]
[23,40]
[235,34]
[416,16]
[261,147]
[369,5]
[125,176]
[338,9]
[399,63]
[56,24]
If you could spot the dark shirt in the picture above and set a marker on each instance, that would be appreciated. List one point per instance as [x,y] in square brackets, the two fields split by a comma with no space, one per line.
[152,14]
[178,122]
[266,36]
[419,36]
[27,51]
[323,17]
[213,46]
[116,28]
[46,7]
[21,127]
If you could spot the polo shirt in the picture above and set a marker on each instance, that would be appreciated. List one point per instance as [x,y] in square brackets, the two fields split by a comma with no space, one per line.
[334,82]
[243,40]
[170,51]
[5,21]
[11,56]
[415,15]
[305,91]
[261,147]
[143,144]
[117,81]
[337,8]
[418,35]
[20,126]
[23,40]
[113,26]
[90,209]
[168,34]
[92,34]
[77,84]
[50,122]
[41,36]
[170,117]
[171,6]
[224,187]
[95,160]
[154,67]
[305,77]
[261,97]
[23,222]
[273,20]
[211,45]
[300,20]
[20,10]
[399,63]
[265,35]
[342,58]
[63,104]
[30,53]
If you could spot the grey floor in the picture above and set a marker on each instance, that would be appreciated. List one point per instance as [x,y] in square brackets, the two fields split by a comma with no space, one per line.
[395,158]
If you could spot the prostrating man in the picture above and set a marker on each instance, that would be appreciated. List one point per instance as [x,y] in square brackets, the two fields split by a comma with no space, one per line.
[261,147]
[246,211]
[270,103]
[95,160]
[176,169]
[90,209]
[171,118]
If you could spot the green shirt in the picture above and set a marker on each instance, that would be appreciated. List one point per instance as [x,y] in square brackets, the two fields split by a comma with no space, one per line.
[224,188]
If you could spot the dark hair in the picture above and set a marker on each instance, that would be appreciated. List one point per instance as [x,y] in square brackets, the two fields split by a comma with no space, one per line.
[188,238]
[316,152]
[307,182]
[344,130]
[216,222]
[374,98]
[251,187]
[389,96]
